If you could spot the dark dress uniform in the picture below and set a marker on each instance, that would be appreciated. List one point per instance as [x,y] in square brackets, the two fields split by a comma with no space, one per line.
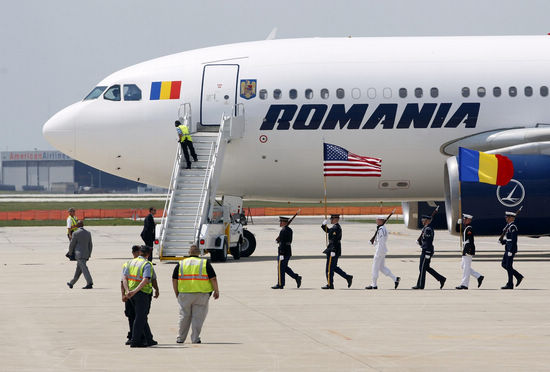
[510,243]
[284,253]
[333,252]
[148,232]
[426,242]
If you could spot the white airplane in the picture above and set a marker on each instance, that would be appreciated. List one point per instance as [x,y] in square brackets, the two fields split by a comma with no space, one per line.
[411,101]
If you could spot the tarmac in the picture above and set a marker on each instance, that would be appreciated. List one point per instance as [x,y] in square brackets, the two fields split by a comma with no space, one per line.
[48,327]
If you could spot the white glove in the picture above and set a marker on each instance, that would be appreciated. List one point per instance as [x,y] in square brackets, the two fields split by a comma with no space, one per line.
[325,222]
[509,254]
[332,254]
[459,221]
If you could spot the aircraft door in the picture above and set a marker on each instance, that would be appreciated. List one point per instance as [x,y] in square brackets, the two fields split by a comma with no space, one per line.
[219,92]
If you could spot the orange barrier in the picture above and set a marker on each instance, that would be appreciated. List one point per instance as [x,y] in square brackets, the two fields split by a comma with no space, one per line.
[141,213]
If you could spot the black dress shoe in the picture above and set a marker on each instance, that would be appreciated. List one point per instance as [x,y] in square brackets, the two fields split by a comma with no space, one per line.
[397,280]
[519,280]
[371,287]
[461,287]
[195,159]
[480,280]
[138,345]
[70,285]
[442,283]
[299,281]
[89,286]
[128,342]
[277,286]
[349,279]
[327,287]
[416,287]
[188,166]
[152,343]
[507,287]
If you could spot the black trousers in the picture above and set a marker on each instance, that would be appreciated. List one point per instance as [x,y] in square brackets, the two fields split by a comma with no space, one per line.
[331,268]
[188,145]
[508,265]
[282,269]
[141,333]
[149,242]
[424,267]
[130,314]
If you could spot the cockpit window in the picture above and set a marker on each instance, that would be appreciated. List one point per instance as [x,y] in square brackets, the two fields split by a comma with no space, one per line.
[132,92]
[113,93]
[96,92]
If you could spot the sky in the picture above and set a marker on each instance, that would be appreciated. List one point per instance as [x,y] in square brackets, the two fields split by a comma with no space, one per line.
[52,53]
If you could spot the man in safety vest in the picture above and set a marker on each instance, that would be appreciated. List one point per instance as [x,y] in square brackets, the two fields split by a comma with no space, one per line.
[137,280]
[194,280]
[128,303]
[71,223]
[186,142]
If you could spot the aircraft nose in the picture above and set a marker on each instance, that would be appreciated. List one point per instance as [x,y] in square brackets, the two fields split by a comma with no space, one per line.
[60,130]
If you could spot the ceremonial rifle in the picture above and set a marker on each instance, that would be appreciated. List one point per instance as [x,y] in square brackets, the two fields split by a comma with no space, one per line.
[289,221]
[419,240]
[507,226]
[383,223]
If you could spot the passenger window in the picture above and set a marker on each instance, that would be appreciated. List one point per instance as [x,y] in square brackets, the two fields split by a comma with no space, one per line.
[544,91]
[513,91]
[434,92]
[263,94]
[465,92]
[528,91]
[324,93]
[403,92]
[113,93]
[96,92]
[418,93]
[356,93]
[309,93]
[340,93]
[497,92]
[132,92]
[277,94]
[293,93]
[387,92]
[481,92]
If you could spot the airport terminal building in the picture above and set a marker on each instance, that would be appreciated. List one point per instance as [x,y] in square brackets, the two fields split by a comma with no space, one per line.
[53,171]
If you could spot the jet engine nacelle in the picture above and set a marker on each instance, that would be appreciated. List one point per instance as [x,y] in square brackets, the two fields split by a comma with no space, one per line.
[530,188]
[413,211]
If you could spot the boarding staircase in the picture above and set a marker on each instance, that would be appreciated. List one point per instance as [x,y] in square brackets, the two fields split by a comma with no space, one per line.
[192,191]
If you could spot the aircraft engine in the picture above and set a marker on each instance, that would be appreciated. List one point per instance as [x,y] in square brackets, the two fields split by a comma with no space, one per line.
[530,188]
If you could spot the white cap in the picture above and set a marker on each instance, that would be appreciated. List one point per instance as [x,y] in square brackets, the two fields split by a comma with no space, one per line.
[510,214]
[464,215]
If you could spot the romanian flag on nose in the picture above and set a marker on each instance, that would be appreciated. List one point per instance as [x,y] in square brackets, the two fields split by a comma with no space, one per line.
[476,166]
[165,90]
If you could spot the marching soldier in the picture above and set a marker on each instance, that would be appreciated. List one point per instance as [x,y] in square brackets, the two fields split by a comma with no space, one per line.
[510,243]
[468,252]
[379,260]
[334,251]
[284,253]
[426,242]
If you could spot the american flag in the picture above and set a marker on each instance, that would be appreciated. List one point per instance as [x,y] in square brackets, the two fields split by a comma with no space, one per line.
[340,162]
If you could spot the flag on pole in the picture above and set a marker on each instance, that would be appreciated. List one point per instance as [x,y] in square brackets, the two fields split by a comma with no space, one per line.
[477,166]
[340,162]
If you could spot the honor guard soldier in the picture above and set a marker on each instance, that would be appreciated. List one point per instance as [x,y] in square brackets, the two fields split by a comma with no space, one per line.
[468,252]
[334,251]
[426,242]
[510,242]
[284,253]
[379,259]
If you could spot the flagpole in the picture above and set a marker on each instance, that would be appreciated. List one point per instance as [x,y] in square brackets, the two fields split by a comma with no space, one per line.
[460,212]
[325,188]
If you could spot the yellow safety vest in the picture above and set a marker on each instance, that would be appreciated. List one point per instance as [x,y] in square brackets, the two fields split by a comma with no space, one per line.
[192,276]
[185,133]
[135,274]
[74,221]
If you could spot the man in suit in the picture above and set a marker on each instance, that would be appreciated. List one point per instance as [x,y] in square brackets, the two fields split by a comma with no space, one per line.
[81,248]
[284,253]
[334,251]
[148,232]
[426,242]
[510,243]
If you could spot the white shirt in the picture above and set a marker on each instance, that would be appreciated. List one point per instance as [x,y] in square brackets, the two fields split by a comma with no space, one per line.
[69,222]
[380,241]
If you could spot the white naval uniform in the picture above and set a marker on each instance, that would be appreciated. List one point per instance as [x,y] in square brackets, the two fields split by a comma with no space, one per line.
[467,261]
[378,264]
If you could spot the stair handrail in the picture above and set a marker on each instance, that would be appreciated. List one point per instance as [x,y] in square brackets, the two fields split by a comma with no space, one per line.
[169,197]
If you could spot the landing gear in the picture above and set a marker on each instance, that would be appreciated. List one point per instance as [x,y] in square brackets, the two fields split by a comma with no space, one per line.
[249,244]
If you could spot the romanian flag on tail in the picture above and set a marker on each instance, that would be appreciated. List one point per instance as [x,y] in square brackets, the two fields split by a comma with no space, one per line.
[165,90]
[476,166]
